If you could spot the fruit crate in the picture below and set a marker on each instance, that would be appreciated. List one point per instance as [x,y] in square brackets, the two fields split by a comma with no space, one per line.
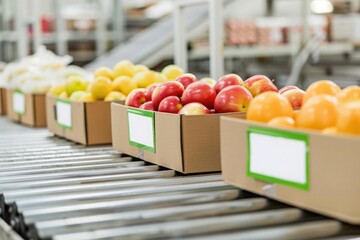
[87,123]
[304,168]
[185,143]
[26,108]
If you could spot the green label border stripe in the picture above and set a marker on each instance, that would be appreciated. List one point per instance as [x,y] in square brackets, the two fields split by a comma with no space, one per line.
[69,103]
[283,134]
[144,113]
[22,93]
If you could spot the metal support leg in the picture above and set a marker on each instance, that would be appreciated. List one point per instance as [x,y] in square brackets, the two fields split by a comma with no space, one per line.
[36,24]
[118,21]
[61,48]
[22,43]
[216,31]
[180,43]
[100,31]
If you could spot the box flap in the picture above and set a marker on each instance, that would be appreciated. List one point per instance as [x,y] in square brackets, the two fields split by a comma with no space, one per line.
[40,110]
[201,142]
[168,141]
[98,122]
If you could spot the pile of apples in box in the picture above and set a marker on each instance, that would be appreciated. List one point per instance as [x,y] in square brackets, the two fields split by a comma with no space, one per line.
[324,106]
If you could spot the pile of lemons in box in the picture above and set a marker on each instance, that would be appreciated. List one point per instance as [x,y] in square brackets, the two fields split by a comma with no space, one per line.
[112,84]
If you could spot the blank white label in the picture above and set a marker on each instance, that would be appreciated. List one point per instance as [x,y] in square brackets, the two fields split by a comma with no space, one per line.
[63,114]
[19,103]
[141,129]
[278,157]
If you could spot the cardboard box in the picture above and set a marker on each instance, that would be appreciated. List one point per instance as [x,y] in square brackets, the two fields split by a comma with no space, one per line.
[28,109]
[307,169]
[87,123]
[187,144]
[3,101]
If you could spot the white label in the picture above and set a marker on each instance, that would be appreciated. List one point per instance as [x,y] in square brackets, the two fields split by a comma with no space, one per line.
[63,114]
[278,157]
[141,129]
[19,103]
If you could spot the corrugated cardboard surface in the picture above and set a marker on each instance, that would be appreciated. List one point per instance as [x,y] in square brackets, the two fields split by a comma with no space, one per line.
[98,122]
[3,101]
[188,144]
[334,172]
[35,114]
[91,122]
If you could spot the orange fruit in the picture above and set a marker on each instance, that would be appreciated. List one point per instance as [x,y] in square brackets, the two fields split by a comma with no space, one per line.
[282,122]
[330,130]
[349,118]
[268,105]
[319,112]
[349,94]
[321,87]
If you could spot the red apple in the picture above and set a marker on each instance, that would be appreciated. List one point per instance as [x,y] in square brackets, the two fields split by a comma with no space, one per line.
[209,81]
[147,106]
[136,98]
[163,90]
[150,90]
[284,89]
[228,80]
[186,79]
[233,98]
[258,84]
[194,109]
[295,97]
[171,104]
[199,92]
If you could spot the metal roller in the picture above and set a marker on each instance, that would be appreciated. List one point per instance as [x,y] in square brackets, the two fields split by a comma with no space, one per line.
[55,189]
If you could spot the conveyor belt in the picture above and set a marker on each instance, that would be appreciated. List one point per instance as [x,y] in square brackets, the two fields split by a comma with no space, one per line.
[54,189]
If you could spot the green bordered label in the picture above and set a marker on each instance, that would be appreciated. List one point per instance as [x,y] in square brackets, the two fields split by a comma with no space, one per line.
[63,113]
[278,156]
[19,102]
[142,129]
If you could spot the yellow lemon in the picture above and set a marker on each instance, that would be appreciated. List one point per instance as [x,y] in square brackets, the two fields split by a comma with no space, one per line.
[124,84]
[115,96]
[140,68]
[103,72]
[56,90]
[75,83]
[171,72]
[123,68]
[100,87]
[144,79]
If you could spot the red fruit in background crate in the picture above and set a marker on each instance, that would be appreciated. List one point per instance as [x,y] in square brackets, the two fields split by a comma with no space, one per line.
[186,79]
[258,84]
[194,109]
[295,97]
[149,90]
[233,99]
[147,106]
[228,80]
[200,92]
[171,104]
[136,98]
[163,90]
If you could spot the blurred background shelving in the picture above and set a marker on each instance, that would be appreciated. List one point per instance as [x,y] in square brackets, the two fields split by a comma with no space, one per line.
[262,36]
